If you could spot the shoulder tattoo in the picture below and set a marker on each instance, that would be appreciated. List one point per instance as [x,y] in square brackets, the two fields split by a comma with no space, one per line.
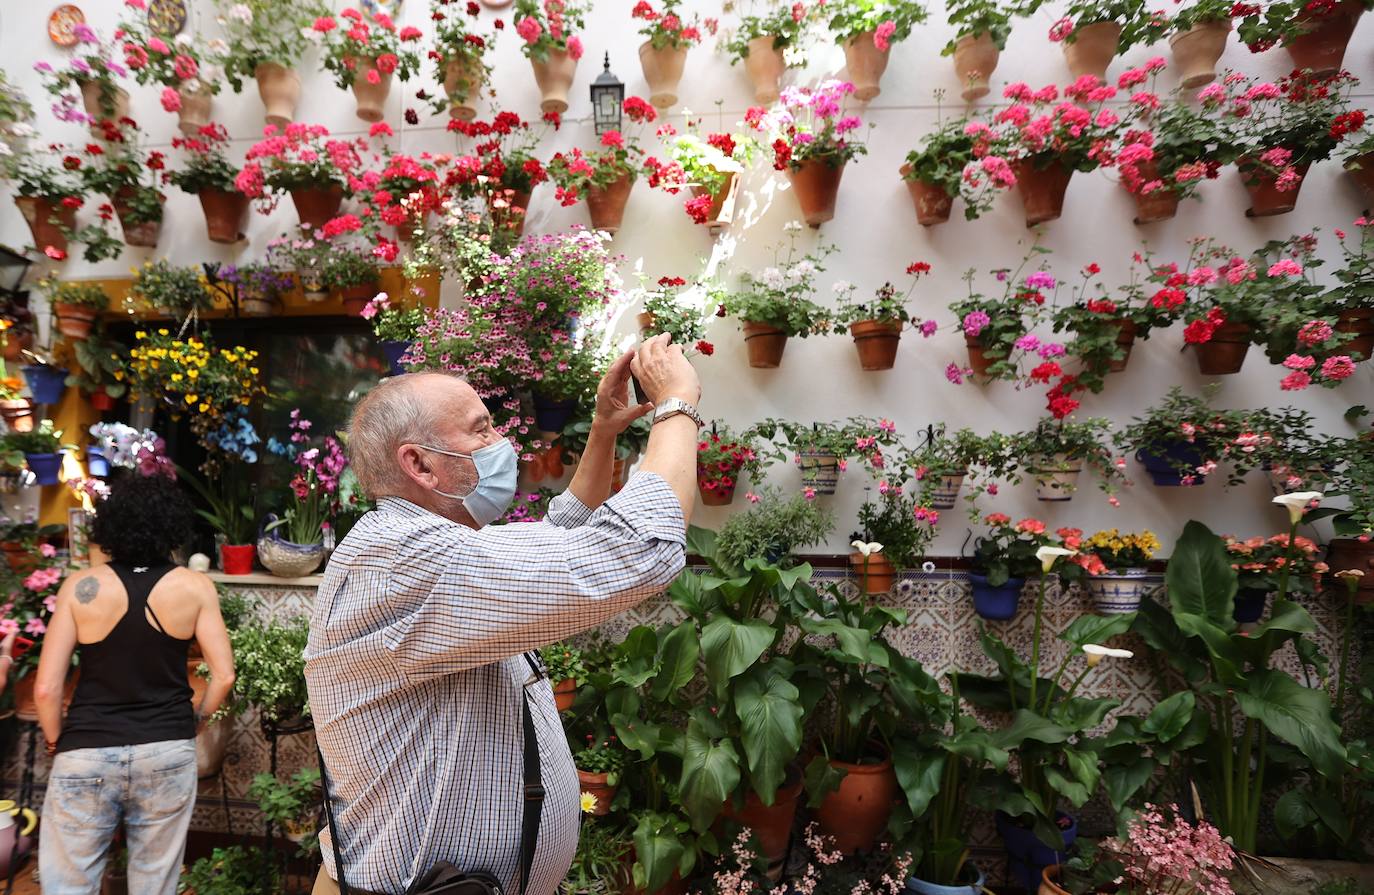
[87,589]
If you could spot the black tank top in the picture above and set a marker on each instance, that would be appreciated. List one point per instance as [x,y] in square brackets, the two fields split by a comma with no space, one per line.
[133,686]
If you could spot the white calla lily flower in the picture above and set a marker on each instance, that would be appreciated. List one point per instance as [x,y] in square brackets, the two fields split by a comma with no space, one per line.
[1298,502]
[1096,652]
[1048,556]
[867,548]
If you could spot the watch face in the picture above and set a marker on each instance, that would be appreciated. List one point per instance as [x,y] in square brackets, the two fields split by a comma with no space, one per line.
[167,17]
[62,21]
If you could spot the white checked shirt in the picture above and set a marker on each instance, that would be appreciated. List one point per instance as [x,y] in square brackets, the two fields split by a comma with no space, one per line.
[415,674]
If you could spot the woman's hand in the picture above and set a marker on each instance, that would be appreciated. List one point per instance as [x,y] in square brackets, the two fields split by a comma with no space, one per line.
[613,408]
[7,657]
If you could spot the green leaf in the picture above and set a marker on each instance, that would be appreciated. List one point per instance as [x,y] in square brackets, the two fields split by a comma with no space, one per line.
[976,746]
[1027,725]
[1122,782]
[1200,581]
[730,647]
[677,660]
[710,772]
[1296,714]
[702,542]
[1292,814]
[658,849]
[1083,766]
[1081,713]
[1097,628]
[1074,793]
[771,728]
[821,779]
[1168,719]
[919,772]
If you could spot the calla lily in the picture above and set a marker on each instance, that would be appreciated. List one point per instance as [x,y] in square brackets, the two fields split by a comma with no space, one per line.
[867,548]
[1350,574]
[1297,503]
[1097,652]
[1048,556]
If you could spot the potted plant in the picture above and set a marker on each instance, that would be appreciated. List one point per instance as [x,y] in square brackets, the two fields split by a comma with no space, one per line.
[459,58]
[941,463]
[1353,299]
[1104,327]
[264,39]
[101,370]
[1165,159]
[811,140]
[1269,565]
[551,44]
[46,380]
[934,174]
[236,870]
[503,170]
[1315,34]
[1131,865]
[1094,31]
[49,190]
[258,287]
[681,309]
[605,176]
[711,168]
[16,116]
[722,457]
[313,169]
[777,303]
[1359,158]
[1183,439]
[1002,561]
[159,368]
[40,448]
[210,176]
[351,274]
[170,290]
[822,450]
[982,28]
[292,546]
[95,75]
[765,42]
[1056,451]
[294,806]
[1197,36]
[605,852]
[998,330]
[897,529]
[877,324]
[22,541]
[30,607]
[75,305]
[1117,564]
[15,406]
[404,194]
[668,37]
[566,671]
[230,500]
[598,772]
[188,70]
[269,665]
[773,527]
[395,327]
[364,52]
[122,172]
[867,29]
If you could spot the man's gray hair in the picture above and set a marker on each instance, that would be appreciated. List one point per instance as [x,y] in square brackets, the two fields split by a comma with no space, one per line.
[394,413]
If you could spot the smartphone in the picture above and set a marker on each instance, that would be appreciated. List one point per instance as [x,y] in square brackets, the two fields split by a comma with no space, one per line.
[21,645]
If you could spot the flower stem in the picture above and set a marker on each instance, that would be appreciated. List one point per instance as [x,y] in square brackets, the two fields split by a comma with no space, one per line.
[1035,641]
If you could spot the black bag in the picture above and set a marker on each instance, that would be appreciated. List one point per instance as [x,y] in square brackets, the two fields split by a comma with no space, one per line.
[444,878]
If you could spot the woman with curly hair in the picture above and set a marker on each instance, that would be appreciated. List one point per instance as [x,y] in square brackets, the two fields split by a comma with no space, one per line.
[126,748]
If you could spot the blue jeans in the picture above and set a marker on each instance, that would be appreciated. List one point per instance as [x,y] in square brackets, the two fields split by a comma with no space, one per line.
[151,786]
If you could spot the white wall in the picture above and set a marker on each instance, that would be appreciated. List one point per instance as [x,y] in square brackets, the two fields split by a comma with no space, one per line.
[875,228]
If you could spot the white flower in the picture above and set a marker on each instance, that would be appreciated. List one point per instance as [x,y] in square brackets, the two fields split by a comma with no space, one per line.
[240,12]
[312,35]
[867,549]
[1048,556]
[801,270]
[217,47]
[928,567]
[791,227]
[1297,503]
[22,129]
[182,40]
[1350,574]
[211,74]
[5,150]
[841,287]
[1096,653]
[192,86]
[771,278]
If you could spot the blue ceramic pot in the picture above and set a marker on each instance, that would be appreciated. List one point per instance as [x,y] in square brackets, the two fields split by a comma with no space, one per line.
[1163,466]
[551,415]
[921,887]
[1028,855]
[998,603]
[45,467]
[46,384]
[96,463]
[393,351]
[1249,605]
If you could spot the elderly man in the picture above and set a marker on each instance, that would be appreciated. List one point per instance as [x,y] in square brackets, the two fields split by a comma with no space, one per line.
[417,663]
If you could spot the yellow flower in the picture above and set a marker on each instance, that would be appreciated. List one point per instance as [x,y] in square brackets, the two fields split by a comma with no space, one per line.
[191,399]
[176,377]
[588,803]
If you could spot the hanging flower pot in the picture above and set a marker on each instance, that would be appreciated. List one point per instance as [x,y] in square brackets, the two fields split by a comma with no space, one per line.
[1224,353]
[44,467]
[995,602]
[255,302]
[857,813]
[720,496]
[1321,46]
[765,65]
[554,76]
[111,107]
[462,83]
[315,206]
[225,215]
[101,400]
[771,824]
[280,89]
[932,202]
[370,94]
[606,205]
[1091,49]
[564,694]
[1056,478]
[596,785]
[394,350]
[765,344]
[1119,592]
[1358,322]
[356,297]
[663,72]
[194,113]
[947,491]
[19,558]
[1169,464]
[1125,339]
[817,185]
[47,220]
[552,415]
[1157,205]
[978,359]
[18,414]
[975,59]
[508,209]
[820,470]
[1197,50]
[722,210]
[74,321]
[1042,188]
[1266,199]
[1361,170]
[873,573]
[1028,855]
[96,463]
[313,286]
[877,341]
[16,343]
[143,234]
[866,64]
[46,384]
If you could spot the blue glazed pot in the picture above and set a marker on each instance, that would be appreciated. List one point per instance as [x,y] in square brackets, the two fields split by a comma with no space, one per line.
[46,384]
[921,887]
[1163,467]
[1249,605]
[997,603]
[45,467]
[96,463]
[550,415]
[287,559]
[1028,855]
[393,351]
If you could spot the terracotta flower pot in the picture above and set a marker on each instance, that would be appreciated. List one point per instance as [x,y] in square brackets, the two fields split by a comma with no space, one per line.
[765,344]
[765,65]
[1042,189]
[607,206]
[256,304]
[881,574]
[416,220]
[1092,49]
[280,89]
[718,497]
[663,72]
[1266,199]
[1352,553]
[1321,47]
[1358,322]
[115,108]
[975,59]
[74,321]
[1049,882]
[462,84]
[877,341]
[1361,170]
[1153,207]
[15,344]
[933,203]
[1197,50]
[1056,478]
[855,814]
[771,824]
[722,203]
[817,186]
[46,221]
[1224,353]
[195,110]
[866,64]
[18,414]
[564,693]
[316,207]
[371,97]
[1125,338]
[977,356]
[18,557]
[596,785]
[554,77]
[226,213]
[143,234]
[355,298]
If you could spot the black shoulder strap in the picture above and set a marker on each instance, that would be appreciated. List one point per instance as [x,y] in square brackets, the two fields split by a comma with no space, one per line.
[333,829]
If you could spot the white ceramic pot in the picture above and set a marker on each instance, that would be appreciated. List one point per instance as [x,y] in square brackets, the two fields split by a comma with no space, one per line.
[1119,592]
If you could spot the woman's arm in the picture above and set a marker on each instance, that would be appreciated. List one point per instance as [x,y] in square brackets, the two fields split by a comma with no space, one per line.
[7,657]
[59,642]
[213,638]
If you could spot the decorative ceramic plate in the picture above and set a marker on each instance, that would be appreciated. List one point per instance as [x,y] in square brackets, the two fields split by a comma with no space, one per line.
[496,4]
[167,17]
[391,7]
[62,21]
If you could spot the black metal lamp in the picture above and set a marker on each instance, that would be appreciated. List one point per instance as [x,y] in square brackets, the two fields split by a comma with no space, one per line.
[608,100]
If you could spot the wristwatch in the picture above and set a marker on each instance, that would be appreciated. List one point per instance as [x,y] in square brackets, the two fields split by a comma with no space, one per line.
[670,407]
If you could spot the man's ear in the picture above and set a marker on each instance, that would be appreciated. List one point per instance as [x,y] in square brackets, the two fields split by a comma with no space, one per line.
[417,465]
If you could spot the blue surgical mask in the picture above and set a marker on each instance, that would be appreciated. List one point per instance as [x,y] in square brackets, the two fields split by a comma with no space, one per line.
[495,488]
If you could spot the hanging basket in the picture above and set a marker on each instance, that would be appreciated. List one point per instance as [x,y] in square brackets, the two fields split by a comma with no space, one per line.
[663,72]
[866,64]
[371,97]
[226,214]
[606,205]
[47,220]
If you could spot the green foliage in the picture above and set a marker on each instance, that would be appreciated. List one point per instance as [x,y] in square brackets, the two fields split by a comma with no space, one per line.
[853,19]
[269,666]
[161,284]
[780,23]
[781,295]
[100,365]
[772,529]
[42,439]
[891,521]
[564,663]
[604,852]
[231,871]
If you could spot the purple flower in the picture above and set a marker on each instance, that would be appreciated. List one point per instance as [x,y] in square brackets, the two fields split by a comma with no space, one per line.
[1051,349]
[1028,342]
[954,374]
[928,328]
[42,67]
[1040,280]
[84,33]
[975,322]
[1001,276]
[81,66]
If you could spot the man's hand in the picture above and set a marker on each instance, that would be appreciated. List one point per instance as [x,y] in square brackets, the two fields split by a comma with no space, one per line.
[664,372]
[613,407]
